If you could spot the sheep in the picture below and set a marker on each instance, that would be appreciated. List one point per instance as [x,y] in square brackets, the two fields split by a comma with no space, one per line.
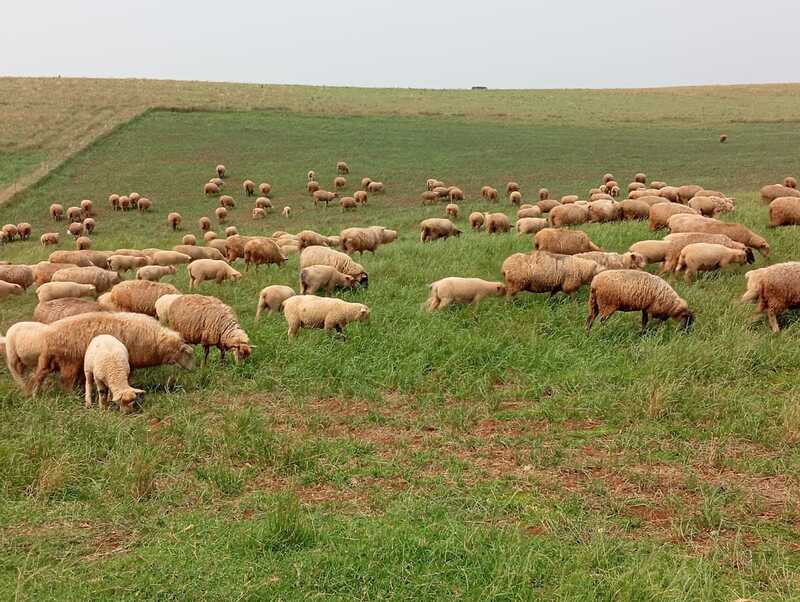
[737,232]
[790,182]
[56,212]
[476,220]
[441,192]
[81,258]
[339,182]
[776,288]
[312,175]
[64,344]
[436,228]
[113,200]
[204,224]
[634,209]
[547,205]
[189,239]
[784,211]
[654,251]
[205,321]
[8,288]
[76,230]
[17,274]
[633,290]
[616,261]
[569,215]
[317,277]
[23,343]
[272,298]
[49,238]
[634,186]
[704,257]
[52,311]
[74,214]
[433,183]
[107,365]
[323,196]
[210,188]
[307,238]
[227,201]
[544,194]
[543,272]
[360,197]
[607,178]
[83,243]
[319,255]
[24,231]
[201,270]
[376,187]
[451,211]
[511,187]
[568,199]
[529,212]
[662,212]
[221,214]
[640,177]
[462,291]
[365,183]
[220,169]
[342,167]
[329,313]
[347,203]
[313,186]
[604,211]
[530,225]
[258,213]
[711,206]
[657,184]
[429,197]
[137,296]
[174,220]
[8,233]
[124,202]
[773,191]
[723,138]
[59,290]
[264,189]
[687,191]
[144,204]
[455,194]
[365,239]
[260,251]
[170,258]
[44,270]
[264,203]
[89,225]
[100,278]
[515,197]
[154,273]
[494,223]
[678,241]
[286,212]
[491,194]
[249,187]
[231,231]
[565,242]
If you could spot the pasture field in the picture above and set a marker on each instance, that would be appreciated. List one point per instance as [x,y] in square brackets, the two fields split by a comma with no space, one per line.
[495,452]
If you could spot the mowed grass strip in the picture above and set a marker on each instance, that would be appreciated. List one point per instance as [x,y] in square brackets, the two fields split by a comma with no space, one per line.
[495,451]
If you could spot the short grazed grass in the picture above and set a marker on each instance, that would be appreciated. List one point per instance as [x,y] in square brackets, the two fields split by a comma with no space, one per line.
[492,452]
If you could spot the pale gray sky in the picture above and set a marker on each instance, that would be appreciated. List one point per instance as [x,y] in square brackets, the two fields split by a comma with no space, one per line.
[409,43]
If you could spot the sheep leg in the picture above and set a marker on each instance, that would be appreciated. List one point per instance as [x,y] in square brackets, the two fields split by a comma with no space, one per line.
[444,302]
[221,354]
[103,395]
[88,392]
[206,349]
[645,318]
[294,326]
[773,320]
[689,274]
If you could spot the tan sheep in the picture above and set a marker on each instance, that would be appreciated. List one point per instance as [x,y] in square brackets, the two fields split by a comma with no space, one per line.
[462,291]
[308,238]
[634,209]
[210,188]
[100,278]
[491,194]
[52,311]
[429,197]
[113,200]
[23,345]
[435,228]
[264,189]
[773,191]
[640,177]
[434,183]
[74,214]
[543,272]
[221,214]
[249,187]
[286,212]
[354,240]
[174,220]
[231,231]
[531,211]
[106,365]
[616,261]
[632,290]
[669,193]
[547,205]
[201,270]
[657,184]
[258,213]
[790,182]
[272,298]
[654,251]
[607,178]
[360,197]
[512,187]
[495,223]
[634,186]
[705,257]
[339,182]
[49,238]
[544,194]
[569,215]
[125,202]
[144,205]
[319,255]
[154,273]
[678,241]
[323,277]
[17,274]
[687,191]
[341,167]
[711,206]
[89,225]
[76,230]
[323,196]
[451,211]
[329,313]
[775,289]
[569,198]
[189,239]
[604,211]
[530,225]
[220,169]
[59,290]
[262,251]
[441,192]
[662,212]
[455,194]
[227,201]
[136,296]
[264,203]
[170,258]
[313,186]
[784,211]
[44,270]
[515,197]
[348,203]
[81,258]
[376,187]
[204,224]
[565,242]
[365,183]
[737,232]
[312,175]
[56,212]
[476,220]
[82,243]
[9,288]
[24,231]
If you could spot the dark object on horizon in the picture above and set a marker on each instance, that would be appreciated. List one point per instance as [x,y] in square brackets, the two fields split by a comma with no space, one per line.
[479,88]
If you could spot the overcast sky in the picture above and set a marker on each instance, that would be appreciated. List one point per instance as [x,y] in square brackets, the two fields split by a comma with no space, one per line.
[409,43]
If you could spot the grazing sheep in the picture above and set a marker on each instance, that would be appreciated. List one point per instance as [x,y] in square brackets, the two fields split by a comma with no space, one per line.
[272,298]
[654,251]
[83,243]
[154,273]
[170,258]
[441,192]
[360,197]
[687,191]
[773,191]
[429,197]
[49,238]
[723,137]
[231,231]
[434,183]
[89,225]
[264,189]
[569,198]
[317,277]
[657,184]
[204,224]
[790,182]
[17,274]
[220,169]
[313,186]
[640,177]
[258,213]
[124,263]
[569,215]
[201,270]
[24,231]
[614,192]
[174,220]
[462,291]
[205,321]
[309,311]
[287,211]
[677,242]
[210,188]
[604,211]
[565,242]
[144,204]
[608,178]
[249,187]
[227,201]
[308,238]
[113,200]
[339,182]
[60,290]
[189,239]
[451,211]
[76,230]
[634,186]
[784,211]
[365,239]
[107,365]
[125,202]
[711,206]
[494,223]
[511,187]
[23,343]
[662,212]
[634,209]
[221,214]
[323,196]
[365,183]
[262,251]
[8,233]
[544,194]
[348,203]
[100,278]
[476,220]
[81,258]
[547,205]
[56,212]
[737,232]
[530,225]
[632,290]
[543,272]
[341,167]
[263,203]
[74,214]
[8,288]
[670,193]
[529,212]
[455,194]
[776,288]
[319,255]
[136,296]
[705,257]
[52,311]
[616,261]
[312,175]
[515,197]
[209,236]
[435,228]
[86,208]
[376,187]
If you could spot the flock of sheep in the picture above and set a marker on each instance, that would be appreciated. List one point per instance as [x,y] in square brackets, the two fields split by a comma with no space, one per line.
[90,323]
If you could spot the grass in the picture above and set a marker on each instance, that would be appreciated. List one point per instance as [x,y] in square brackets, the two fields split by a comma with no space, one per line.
[493,452]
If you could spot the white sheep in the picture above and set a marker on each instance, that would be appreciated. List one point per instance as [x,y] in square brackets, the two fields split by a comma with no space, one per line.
[106,365]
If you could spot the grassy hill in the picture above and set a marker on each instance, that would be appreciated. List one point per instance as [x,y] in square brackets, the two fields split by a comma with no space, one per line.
[495,452]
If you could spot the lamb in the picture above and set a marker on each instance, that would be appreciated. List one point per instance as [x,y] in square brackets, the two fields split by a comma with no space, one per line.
[76,230]
[436,228]
[49,238]
[565,242]
[287,211]
[170,258]
[515,197]
[670,193]
[174,220]
[227,201]
[23,343]
[60,290]
[604,211]
[790,182]
[308,238]
[784,211]
[313,186]
[360,197]
[272,298]
[494,223]
[317,277]
[52,311]
[543,272]
[17,274]
[462,291]
[653,251]
[44,270]
[249,187]
[687,191]
[704,257]
[89,225]
[615,261]
[258,213]
[209,236]
[260,251]
[323,196]
[711,206]
[365,239]
[221,214]
[737,232]
[660,214]
[530,225]
[205,321]
[434,183]
[201,270]
[64,344]
[678,241]
[309,311]
[341,167]
[634,209]
[491,194]
[776,288]
[86,208]
[264,189]
[100,278]
[339,182]
[107,365]
[125,202]
[9,288]
[82,243]
[569,215]
[319,255]
[264,203]
[441,192]
[632,290]
[376,187]
[451,211]
[154,273]
[81,258]
[476,220]
[124,263]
